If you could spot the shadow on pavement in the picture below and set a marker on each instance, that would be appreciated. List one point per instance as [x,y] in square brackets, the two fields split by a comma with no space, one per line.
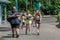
[19,34]
[2,29]
[58,26]
[29,34]
[25,34]
[10,35]
[6,36]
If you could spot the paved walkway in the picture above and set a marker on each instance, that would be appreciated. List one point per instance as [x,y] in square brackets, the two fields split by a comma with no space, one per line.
[49,31]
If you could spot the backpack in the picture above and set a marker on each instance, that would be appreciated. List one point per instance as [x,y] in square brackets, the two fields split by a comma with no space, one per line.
[14,20]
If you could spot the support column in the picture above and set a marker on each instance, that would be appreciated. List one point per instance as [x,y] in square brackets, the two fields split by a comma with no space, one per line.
[0,14]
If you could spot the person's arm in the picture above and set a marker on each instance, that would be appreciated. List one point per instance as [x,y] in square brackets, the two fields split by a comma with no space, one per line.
[25,17]
[34,15]
[11,16]
[21,17]
[18,15]
[40,16]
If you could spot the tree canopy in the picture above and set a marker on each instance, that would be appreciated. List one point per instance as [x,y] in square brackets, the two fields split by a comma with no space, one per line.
[50,6]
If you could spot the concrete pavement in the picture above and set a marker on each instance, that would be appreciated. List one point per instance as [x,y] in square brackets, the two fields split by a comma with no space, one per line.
[48,31]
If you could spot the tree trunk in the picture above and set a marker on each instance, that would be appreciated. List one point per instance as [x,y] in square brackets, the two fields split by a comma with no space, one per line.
[31,3]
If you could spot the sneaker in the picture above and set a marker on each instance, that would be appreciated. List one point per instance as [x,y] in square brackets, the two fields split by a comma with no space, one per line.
[17,36]
[12,35]
[38,34]
[26,32]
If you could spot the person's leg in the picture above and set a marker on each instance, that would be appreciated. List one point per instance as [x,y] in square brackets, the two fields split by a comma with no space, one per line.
[30,24]
[13,29]
[22,26]
[17,31]
[36,25]
[30,28]
[38,28]
[27,27]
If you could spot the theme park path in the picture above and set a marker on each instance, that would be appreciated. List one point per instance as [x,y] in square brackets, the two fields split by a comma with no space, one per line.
[49,31]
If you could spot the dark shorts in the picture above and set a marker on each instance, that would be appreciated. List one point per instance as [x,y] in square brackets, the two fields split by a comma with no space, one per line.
[15,25]
[37,21]
[23,23]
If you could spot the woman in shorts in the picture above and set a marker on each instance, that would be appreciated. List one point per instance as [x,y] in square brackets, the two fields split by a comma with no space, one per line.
[38,18]
[28,22]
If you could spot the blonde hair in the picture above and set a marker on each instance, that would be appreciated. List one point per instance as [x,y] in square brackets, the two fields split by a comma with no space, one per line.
[38,13]
[28,12]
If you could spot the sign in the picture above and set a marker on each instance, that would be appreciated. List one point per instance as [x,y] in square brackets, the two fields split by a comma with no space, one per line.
[38,6]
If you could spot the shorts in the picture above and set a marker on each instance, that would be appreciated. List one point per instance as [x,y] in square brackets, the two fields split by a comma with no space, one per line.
[28,21]
[15,25]
[23,23]
[37,21]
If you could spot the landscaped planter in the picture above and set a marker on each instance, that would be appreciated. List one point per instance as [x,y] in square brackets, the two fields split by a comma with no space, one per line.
[58,17]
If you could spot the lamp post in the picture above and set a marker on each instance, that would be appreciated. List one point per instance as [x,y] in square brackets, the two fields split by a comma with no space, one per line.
[5,15]
[16,5]
[0,14]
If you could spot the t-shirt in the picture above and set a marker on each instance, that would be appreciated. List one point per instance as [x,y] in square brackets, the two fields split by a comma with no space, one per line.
[14,20]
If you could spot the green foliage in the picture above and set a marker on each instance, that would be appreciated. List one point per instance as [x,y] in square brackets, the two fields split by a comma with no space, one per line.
[9,6]
[50,6]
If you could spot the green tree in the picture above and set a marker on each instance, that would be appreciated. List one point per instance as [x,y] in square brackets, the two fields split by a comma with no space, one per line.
[9,6]
[51,6]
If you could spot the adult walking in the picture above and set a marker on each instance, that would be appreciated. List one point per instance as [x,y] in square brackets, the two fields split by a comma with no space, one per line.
[15,22]
[28,21]
[23,17]
[38,18]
